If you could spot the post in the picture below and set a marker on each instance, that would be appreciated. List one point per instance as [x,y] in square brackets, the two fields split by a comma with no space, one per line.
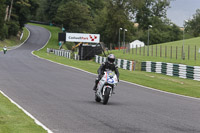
[156,50]
[188,52]
[124,40]
[183,52]
[150,26]
[132,50]
[176,51]
[119,37]
[195,53]
[160,50]
[171,53]
[136,49]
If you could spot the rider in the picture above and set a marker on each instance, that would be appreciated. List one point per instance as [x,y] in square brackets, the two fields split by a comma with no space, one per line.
[108,65]
[4,49]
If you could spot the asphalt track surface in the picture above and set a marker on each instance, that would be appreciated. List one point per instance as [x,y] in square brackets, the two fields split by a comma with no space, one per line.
[62,99]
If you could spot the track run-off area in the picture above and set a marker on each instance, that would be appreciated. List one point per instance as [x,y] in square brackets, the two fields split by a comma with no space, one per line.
[61,97]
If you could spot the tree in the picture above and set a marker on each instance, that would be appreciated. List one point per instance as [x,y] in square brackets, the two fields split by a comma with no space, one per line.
[114,16]
[149,9]
[75,17]
[193,25]
[2,20]
[21,10]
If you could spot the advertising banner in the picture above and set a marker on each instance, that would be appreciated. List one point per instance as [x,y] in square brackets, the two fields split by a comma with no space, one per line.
[81,37]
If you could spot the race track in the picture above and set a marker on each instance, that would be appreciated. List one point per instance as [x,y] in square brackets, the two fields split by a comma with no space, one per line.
[62,99]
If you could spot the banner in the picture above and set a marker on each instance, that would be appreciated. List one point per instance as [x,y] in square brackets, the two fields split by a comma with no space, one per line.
[81,37]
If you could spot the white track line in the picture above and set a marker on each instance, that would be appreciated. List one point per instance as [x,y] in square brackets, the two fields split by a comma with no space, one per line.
[26,112]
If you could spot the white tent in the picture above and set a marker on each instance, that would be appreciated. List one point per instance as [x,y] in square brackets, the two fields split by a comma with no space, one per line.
[136,43]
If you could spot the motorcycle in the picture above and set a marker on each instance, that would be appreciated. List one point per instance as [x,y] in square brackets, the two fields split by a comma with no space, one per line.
[106,86]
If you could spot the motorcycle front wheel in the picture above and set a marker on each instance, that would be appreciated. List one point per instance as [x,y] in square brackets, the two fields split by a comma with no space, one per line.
[97,99]
[106,95]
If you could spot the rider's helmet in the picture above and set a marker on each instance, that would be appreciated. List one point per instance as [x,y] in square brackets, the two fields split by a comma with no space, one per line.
[111,58]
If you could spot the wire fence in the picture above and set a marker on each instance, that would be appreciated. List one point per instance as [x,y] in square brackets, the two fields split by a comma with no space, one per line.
[186,52]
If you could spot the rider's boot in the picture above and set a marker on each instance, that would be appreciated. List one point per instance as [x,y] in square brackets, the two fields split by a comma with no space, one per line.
[113,91]
[95,86]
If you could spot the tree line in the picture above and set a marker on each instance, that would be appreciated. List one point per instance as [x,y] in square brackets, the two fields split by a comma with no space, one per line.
[104,17]
[14,14]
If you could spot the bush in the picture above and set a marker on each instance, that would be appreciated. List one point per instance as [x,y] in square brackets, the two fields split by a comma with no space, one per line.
[4,32]
[13,28]
[69,45]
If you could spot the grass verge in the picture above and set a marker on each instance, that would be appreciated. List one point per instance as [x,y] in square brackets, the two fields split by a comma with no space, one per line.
[13,119]
[166,55]
[14,41]
[158,81]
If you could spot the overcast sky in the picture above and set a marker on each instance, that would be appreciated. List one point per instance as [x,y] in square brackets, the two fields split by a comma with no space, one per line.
[182,10]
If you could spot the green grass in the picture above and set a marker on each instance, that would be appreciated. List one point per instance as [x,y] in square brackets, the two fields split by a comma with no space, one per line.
[13,119]
[143,57]
[158,81]
[14,41]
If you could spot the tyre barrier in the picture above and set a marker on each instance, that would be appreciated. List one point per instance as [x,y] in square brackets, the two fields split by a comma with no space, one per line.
[124,64]
[178,70]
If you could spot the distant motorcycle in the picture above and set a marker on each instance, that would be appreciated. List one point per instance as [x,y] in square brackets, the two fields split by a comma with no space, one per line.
[106,86]
[4,50]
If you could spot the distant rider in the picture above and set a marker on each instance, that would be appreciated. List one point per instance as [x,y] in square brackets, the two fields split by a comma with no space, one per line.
[108,65]
[4,49]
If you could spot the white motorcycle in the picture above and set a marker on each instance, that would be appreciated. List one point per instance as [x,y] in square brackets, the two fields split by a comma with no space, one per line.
[105,87]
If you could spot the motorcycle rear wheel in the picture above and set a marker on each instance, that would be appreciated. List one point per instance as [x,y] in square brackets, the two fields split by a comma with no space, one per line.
[106,95]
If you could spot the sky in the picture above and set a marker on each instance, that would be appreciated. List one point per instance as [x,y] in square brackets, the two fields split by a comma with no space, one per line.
[182,10]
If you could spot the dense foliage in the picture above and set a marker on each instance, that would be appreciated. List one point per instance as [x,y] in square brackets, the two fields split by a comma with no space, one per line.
[193,26]
[14,14]
[104,17]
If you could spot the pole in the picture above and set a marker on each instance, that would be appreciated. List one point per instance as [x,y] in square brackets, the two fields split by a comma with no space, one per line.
[150,26]
[124,40]
[183,54]
[119,37]
[148,43]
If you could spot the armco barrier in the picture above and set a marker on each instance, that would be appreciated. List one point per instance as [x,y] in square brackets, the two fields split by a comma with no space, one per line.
[179,70]
[124,64]
[64,53]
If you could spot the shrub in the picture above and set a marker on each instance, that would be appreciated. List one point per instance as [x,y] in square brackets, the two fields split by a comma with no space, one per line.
[4,32]
[13,28]
[69,45]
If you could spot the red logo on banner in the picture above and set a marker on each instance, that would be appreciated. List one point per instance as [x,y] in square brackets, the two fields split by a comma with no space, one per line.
[92,39]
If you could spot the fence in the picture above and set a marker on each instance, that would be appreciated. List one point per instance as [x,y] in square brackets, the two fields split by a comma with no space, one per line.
[186,52]
[64,53]
[179,70]
[124,64]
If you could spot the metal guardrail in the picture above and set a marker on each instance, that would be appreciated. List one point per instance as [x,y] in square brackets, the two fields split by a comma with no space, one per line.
[124,64]
[64,53]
